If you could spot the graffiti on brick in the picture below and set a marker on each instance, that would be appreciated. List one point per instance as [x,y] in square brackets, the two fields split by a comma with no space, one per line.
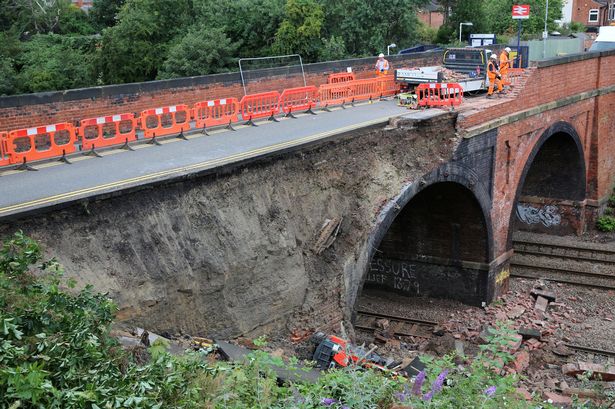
[547,215]
[400,275]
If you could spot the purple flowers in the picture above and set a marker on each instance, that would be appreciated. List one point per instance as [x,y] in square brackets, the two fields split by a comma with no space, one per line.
[490,391]
[327,401]
[437,385]
[418,383]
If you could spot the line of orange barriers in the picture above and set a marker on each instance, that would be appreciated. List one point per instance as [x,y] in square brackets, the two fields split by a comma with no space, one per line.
[61,139]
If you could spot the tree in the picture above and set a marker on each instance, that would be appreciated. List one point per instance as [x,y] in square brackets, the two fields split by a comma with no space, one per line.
[43,17]
[367,27]
[201,51]
[470,11]
[250,23]
[104,12]
[135,49]
[299,32]
[8,84]
[499,20]
[53,62]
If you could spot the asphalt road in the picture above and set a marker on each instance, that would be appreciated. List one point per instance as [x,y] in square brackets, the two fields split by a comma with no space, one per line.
[55,182]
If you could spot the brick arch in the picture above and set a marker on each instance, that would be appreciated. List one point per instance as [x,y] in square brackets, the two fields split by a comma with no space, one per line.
[554,171]
[460,180]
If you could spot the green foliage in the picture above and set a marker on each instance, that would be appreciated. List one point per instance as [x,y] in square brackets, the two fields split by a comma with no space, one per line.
[299,32]
[333,48]
[54,62]
[104,12]
[367,27]
[606,223]
[8,84]
[203,50]
[426,34]
[135,49]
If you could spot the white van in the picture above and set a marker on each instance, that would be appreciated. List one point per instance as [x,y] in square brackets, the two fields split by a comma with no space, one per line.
[605,40]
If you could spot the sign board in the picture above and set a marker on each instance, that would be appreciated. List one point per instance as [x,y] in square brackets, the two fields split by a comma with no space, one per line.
[478,40]
[520,11]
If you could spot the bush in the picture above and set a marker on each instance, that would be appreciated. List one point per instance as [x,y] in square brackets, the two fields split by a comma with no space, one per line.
[606,223]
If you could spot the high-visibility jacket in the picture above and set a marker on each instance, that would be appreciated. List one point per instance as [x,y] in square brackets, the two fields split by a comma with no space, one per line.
[382,65]
[492,70]
[504,62]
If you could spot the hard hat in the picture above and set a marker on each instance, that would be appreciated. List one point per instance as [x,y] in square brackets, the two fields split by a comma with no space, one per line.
[494,56]
[380,55]
[507,49]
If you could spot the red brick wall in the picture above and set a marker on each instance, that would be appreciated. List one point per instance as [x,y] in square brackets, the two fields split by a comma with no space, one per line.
[521,137]
[21,114]
[580,12]
[433,19]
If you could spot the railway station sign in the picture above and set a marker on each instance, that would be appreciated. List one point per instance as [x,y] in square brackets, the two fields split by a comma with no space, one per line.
[520,11]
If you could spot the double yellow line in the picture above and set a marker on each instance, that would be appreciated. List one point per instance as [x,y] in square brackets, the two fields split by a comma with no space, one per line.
[184,169]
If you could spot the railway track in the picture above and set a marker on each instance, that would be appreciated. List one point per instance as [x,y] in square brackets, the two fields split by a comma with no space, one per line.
[401,326]
[585,264]
[591,350]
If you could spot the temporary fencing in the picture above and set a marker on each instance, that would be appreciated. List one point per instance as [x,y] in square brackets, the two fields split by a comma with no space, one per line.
[216,112]
[165,120]
[439,95]
[298,99]
[26,145]
[365,89]
[107,130]
[32,144]
[263,105]
[4,159]
[388,86]
[335,94]
[340,77]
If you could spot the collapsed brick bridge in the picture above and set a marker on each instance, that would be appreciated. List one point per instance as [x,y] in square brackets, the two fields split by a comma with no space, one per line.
[425,206]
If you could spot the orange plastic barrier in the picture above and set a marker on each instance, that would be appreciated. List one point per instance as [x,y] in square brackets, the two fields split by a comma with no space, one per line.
[261,105]
[165,120]
[40,143]
[216,112]
[365,89]
[298,99]
[439,95]
[340,77]
[335,94]
[107,130]
[4,159]
[388,86]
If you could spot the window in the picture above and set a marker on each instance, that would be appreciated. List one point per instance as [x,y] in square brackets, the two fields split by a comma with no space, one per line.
[612,12]
[593,16]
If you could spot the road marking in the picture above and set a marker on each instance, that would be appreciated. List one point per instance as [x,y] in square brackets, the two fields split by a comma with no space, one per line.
[209,164]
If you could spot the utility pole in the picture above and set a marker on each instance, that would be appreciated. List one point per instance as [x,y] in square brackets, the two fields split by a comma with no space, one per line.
[545,34]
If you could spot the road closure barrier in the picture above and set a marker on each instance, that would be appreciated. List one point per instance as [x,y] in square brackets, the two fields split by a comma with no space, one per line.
[298,99]
[31,144]
[165,120]
[365,89]
[215,112]
[387,85]
[263,105]
[4,159]
[340,77]
[335,94]
[107,130]
[439,95]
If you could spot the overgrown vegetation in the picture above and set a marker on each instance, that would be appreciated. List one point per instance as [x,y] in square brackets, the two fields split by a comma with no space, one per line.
[52,45]
[56,352]
[606,222]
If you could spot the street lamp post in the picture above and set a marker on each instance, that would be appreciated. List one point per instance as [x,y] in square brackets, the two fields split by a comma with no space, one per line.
[460,28]
[545,34]
[392,45]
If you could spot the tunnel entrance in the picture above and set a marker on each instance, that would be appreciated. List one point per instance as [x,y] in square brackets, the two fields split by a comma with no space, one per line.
[437,246]
[552,187]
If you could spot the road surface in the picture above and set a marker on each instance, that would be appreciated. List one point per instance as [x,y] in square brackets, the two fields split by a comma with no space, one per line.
[56,183]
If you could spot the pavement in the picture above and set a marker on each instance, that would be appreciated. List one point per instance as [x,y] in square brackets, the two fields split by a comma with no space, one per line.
[56,183]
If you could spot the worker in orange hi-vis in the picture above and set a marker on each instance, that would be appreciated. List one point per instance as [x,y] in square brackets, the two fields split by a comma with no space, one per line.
[382,65]
[493,73]
[505,65]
